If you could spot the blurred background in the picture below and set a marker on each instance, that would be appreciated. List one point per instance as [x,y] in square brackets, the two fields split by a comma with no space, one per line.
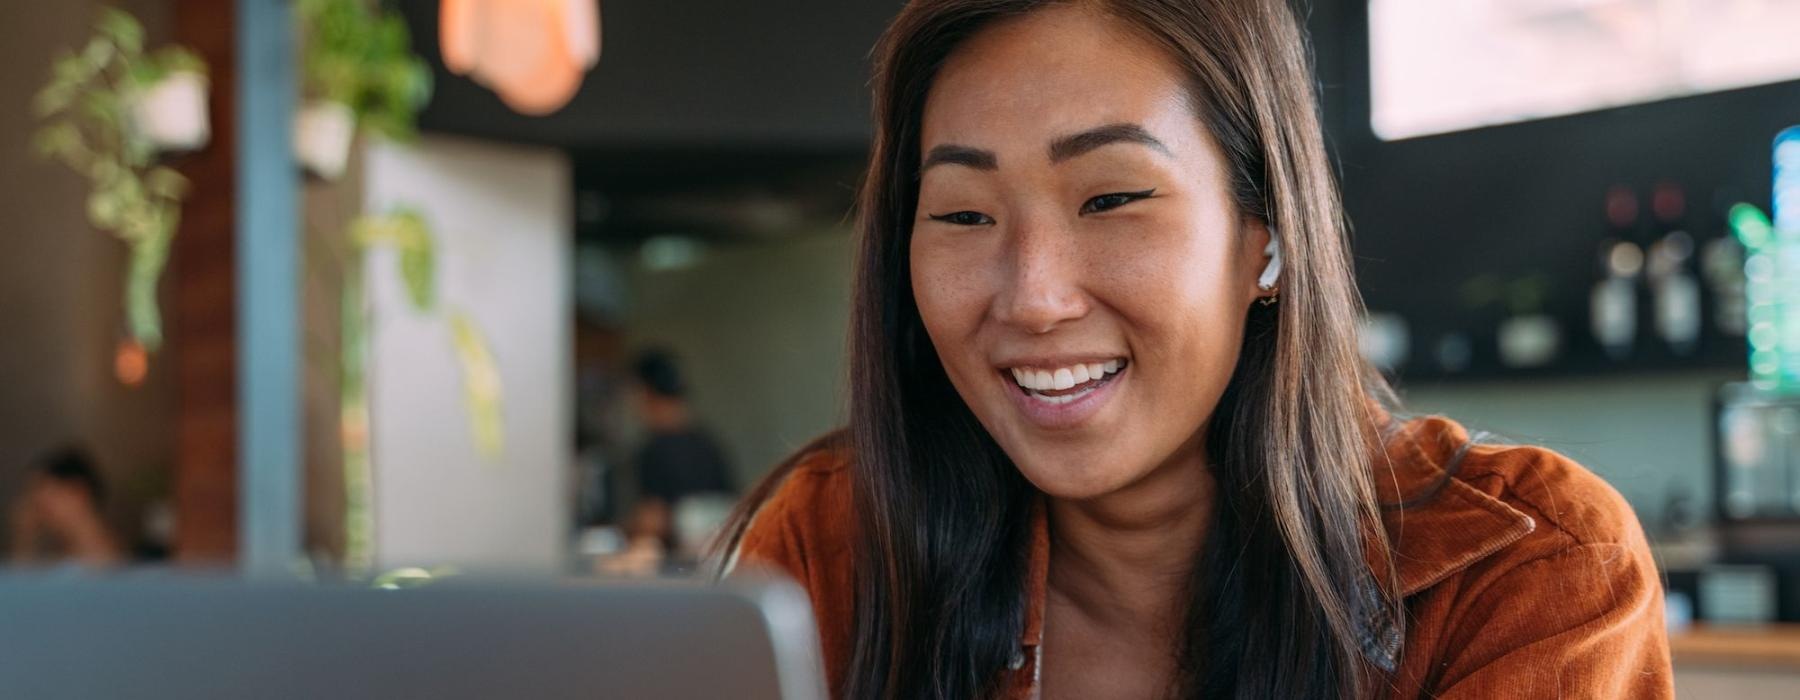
[340,286]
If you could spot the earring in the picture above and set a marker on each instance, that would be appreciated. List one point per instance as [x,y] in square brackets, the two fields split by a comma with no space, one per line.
[1273,272]
[1270,299]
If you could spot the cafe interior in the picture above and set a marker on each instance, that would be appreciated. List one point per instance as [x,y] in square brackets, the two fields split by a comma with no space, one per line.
[397,295]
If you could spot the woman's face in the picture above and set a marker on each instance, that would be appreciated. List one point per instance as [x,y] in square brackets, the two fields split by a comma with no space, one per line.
[1077,257]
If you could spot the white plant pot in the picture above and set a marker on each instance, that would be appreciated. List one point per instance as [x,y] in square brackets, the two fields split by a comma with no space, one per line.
[172,112]
[323,132]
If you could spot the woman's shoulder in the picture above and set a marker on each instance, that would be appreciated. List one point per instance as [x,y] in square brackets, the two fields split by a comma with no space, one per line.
[1516,557]
[1564,503]
[809,511]
[804,531]
[802,526]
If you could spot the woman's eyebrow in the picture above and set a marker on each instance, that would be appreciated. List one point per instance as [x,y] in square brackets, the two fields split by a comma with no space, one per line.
[1060,150]
[953,154]
[1076,144]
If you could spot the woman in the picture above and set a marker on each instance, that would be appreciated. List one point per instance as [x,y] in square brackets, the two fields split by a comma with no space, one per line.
[1110,435]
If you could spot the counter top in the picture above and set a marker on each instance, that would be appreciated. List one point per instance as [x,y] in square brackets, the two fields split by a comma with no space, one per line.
[1774,646]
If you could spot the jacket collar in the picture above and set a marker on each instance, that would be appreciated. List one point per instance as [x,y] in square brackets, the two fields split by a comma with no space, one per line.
[1436,524]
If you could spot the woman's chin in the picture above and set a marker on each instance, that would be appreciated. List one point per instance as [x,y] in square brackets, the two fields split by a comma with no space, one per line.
[1073,480]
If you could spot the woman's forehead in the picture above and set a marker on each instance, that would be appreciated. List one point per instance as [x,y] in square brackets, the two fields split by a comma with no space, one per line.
[1019,85]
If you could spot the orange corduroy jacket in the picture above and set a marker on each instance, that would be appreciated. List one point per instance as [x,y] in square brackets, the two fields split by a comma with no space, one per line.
[1523,574]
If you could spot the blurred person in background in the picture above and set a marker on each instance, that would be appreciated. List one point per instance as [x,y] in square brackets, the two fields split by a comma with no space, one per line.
[57,519]
[680,467]
[1110,433]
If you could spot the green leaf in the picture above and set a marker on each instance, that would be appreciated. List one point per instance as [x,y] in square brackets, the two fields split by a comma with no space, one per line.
[418,257]
[68,69]
[141,312]
[104,210]
[418,269]
[175,59]
[391,36]
[56,139]
[138,151]
[143,74]
[482,386]
[137,214]
[165,183]
[358,53]
[102,106]
[54,98]
[96,55]
[105,172]
[390,126]
[419,84]
[122,29]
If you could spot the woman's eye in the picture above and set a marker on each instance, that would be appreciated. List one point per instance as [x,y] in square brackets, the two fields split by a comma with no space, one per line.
[963,218]
[1113,201]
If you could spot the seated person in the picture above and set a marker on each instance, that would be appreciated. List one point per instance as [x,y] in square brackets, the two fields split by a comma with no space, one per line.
[1110,435]
[680,468]
[58,516]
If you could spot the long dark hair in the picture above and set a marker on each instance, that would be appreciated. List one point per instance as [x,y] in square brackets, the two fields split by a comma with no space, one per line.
[1283,588]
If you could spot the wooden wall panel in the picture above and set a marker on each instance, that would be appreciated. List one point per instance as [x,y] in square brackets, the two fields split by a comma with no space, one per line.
[203,323]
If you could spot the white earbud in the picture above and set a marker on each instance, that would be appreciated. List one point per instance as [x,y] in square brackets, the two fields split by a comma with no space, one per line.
[1273,272]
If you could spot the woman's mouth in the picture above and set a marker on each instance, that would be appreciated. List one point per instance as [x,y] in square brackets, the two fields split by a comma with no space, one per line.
[1056,386]
[1061,395]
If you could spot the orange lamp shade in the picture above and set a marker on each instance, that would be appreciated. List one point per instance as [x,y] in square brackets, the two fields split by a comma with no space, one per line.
[532,53]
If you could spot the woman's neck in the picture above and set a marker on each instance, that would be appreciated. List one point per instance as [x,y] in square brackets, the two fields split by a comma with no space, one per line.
[1124,560]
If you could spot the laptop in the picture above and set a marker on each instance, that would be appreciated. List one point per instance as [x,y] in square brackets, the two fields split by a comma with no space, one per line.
[204,639]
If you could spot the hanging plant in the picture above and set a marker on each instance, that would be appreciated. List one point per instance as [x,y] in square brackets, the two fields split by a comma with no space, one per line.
[405,232]
[108,111]
[358,74]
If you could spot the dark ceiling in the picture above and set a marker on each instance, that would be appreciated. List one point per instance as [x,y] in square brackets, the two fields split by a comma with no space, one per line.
[727,75]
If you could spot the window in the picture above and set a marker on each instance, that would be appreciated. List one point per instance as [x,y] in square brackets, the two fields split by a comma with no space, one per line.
[1438,66]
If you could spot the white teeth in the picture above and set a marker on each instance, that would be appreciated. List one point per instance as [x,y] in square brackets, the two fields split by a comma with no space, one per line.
[1063,378]
[1034,380]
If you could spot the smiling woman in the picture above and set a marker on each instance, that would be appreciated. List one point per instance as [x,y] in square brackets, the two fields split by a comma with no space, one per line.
[1090,455]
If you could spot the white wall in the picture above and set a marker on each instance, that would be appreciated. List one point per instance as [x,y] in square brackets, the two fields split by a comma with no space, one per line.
[502,219]
[760,331]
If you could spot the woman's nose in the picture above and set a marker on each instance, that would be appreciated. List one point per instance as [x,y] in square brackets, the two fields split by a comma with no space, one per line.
[1041,287]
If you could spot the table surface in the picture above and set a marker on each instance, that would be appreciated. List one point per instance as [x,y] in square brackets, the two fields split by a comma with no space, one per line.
[1767,646]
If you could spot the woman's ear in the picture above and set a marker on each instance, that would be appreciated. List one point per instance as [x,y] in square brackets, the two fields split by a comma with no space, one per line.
[1271,274]
[1262,246]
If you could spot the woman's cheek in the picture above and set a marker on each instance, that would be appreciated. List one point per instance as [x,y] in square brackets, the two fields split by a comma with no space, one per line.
[1136,265]
[945,289]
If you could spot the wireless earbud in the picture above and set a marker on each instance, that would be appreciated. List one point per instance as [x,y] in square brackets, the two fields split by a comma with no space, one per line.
[1273,272]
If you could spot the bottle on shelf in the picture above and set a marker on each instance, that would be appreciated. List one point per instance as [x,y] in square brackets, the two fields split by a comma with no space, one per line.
[1675,293]
[1613,305]
[1722,268]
